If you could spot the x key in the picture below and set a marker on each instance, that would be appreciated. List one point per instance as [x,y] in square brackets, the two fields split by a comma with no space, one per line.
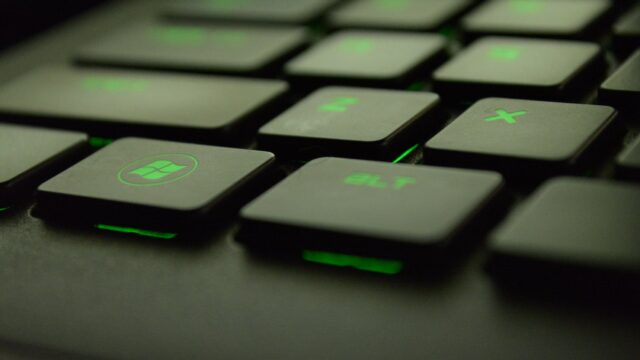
[510,118]
[556,137]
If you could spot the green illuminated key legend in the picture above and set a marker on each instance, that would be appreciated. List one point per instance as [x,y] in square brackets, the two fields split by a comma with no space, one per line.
[159,186]
[366,214]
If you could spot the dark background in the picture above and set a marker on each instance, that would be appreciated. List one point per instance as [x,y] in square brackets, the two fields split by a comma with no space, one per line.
[21,19]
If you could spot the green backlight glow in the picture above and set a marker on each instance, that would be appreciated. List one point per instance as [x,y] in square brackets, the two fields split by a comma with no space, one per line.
[98,142]
[4,209]
[526,6]
[406,153]
[141,232]
[509,118]
[377,181]
[357,46]
[340,104]
[382,266]
[113,84]
[159,169]
[180,35]
[504,53]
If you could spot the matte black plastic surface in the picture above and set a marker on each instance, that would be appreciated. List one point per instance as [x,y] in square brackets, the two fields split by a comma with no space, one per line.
[370,57]
[404,206]
[557,18]
[520,67]
[28,155]
[141,182]
[522,138]
[352,122]
[194,47]
[406,15]
[122,102]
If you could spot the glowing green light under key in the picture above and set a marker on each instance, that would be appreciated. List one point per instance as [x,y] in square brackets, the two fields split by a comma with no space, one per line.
[4,209]
[141,232]
[382,266]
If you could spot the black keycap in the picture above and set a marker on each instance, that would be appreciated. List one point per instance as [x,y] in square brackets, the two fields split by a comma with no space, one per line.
[215,48]
[284,11]
[368,58]
[523,139]
[118,103]
[622,89]
[153,184]
[572,231]
[626,31]
[351,122]
[628,162]
[527,68]
[539,18]
[367,208]
[394,14]
[30,155]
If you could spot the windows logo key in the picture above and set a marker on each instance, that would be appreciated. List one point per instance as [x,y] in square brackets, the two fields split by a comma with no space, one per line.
[158,170]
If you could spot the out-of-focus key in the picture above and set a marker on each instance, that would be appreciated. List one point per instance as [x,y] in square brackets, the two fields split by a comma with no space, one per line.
[367,58]
[539,18]
[352,122]
[214,48]
[519,67]
[368,208]
[628,162]
[572,232]
[626,31]
[526,140]
[118,103]
[29,156]
[397,14]
[622,88]
[152,184]
[284,11]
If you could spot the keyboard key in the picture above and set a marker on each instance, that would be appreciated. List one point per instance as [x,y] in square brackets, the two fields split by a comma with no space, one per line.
[622,89]
[152,184]
[626,31]
[368,58]
[31,155]
[572,231]
[351,122]
[525,140]
[628,162]
[119,103]
[539,18]
[284,11]
[216,48]
[527,68]
[367,208]
[397,14]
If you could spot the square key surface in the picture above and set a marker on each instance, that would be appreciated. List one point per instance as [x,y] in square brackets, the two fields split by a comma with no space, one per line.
[573,222]
[403,14]
[553,18]
[146,103]
[504,66]
[285,11]
[225,48]
[349,121]
[146,181]
[376,56]
[398,205]
[495,133]
[27,154]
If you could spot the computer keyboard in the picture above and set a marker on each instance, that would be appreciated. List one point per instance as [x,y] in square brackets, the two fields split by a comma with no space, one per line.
[365,179]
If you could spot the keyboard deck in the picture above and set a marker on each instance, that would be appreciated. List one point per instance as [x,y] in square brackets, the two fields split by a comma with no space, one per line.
[458,185]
